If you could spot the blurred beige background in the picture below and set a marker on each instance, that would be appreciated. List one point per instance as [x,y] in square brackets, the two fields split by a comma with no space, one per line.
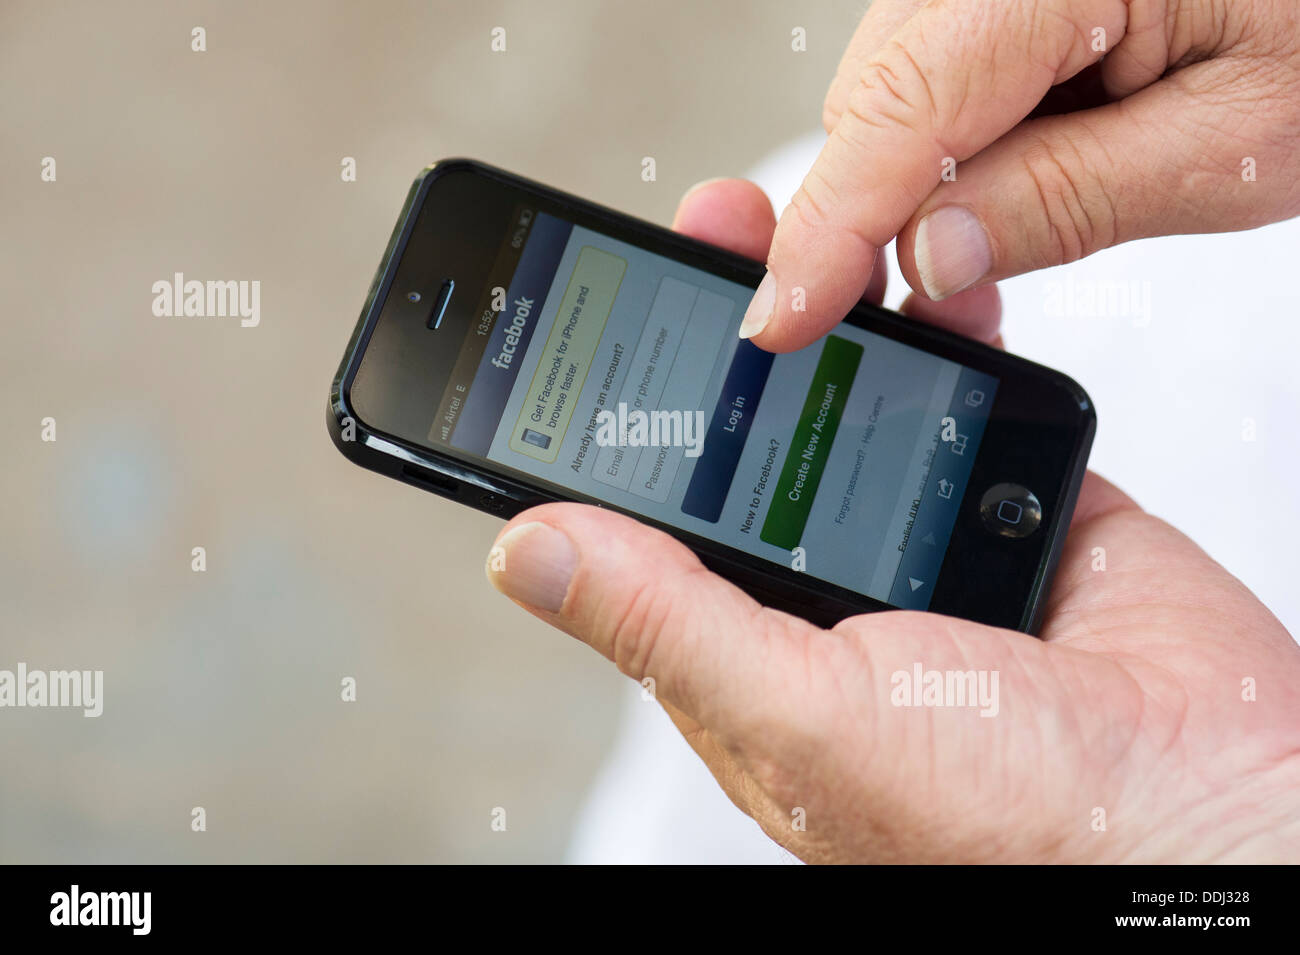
[222,689]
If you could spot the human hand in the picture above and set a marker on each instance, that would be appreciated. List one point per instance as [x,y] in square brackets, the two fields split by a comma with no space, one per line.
[1190,123]
[1132,702]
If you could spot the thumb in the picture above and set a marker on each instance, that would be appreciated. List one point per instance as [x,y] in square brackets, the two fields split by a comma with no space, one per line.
[643,600]
[1165,161]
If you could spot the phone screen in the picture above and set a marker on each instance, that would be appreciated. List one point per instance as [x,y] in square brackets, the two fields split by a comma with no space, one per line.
[617,373]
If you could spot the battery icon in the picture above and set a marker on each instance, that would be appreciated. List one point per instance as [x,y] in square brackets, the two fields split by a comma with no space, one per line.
[536,438]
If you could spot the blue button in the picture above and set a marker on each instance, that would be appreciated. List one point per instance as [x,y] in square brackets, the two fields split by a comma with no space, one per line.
[728,429]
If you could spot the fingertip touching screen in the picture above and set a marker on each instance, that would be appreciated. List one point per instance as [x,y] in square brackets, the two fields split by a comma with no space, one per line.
[616,372]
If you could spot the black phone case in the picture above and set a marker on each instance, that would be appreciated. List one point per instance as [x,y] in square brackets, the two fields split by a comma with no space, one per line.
[495,494]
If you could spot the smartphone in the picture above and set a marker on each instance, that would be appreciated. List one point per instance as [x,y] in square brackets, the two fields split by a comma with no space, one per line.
[519,345]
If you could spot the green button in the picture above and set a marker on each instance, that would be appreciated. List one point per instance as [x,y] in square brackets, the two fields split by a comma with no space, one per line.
[810,448]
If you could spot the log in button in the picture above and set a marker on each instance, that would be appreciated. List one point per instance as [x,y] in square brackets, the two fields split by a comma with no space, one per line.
[728,430]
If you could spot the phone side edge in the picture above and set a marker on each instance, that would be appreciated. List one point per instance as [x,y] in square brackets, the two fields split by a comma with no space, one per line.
[1060,524]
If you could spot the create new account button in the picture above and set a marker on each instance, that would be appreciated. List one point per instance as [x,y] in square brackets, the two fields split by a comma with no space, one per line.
[811,446]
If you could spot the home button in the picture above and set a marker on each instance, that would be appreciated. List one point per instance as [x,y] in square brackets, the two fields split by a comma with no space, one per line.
[1010,510]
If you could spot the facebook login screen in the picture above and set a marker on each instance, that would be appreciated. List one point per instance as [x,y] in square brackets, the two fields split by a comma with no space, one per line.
[618,373]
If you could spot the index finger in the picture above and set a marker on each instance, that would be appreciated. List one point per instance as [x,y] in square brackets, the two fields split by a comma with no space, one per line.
[879,23]
[956,77]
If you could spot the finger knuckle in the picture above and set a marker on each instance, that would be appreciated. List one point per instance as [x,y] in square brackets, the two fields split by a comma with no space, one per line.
[645,622]
[815,198]
[893,92]
[830,115]
[1068,202]
[820,203]
[639,624]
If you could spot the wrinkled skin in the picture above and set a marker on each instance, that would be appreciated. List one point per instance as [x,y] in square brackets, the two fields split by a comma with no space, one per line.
[1158,718]
[1189,124]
